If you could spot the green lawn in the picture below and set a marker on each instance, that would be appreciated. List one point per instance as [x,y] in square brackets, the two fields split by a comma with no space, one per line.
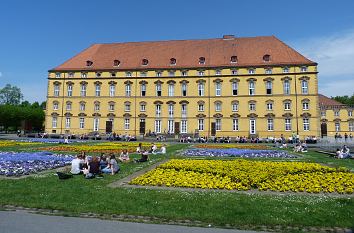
[246,210]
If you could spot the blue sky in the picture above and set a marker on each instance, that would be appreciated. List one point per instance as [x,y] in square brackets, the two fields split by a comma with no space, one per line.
[38,35]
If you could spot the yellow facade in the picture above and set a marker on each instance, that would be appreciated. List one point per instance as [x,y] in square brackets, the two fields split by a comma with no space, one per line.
[217,93]
[337,119]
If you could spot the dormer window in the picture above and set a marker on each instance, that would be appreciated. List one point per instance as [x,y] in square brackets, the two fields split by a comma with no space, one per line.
[233,59]
[57,75]
[144,62]
[234,72]
[184,73]
[71,75]
[251,71]
[286,70]
[116,63]
[268,71]
[89,63]
[128,74]
[98,74]
[266,58]
[304,69]
[202,60]
[173,61]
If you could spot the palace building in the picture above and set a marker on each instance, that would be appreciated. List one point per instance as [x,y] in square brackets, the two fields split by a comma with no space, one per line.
[230,86]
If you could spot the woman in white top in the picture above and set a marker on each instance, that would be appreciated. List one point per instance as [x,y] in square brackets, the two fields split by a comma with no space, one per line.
[124,156]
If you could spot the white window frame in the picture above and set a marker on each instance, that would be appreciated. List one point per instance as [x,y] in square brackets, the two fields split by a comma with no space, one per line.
[184,88]
[269,86]
[67,122]
[305,105]
[54,122]
[55,106]
[158,126]
[251,88]
[81,122]
[96,124]
[158,89]
[56,89]
[235,124]
[201,89]
[252,106]
[171,109]
[184,126]
[218,124]
[200,107]
[304,86]
[97,90]
[158,108]
[234,87]
[126,123]
[217,107]
[171,89]
[70,90]
[286,87]
[201,124]
[337,126]
[171,126]
[218,89]
[288,124]
[97,107]
[270,124]
[253,129]
[127,107]
[83,90]
[111,107]
[127,90]
[270,106]
[82,106]
[142,107]
[306,124]
[351,126]
[112,90]
[184,110]
[287,106]
[68,106]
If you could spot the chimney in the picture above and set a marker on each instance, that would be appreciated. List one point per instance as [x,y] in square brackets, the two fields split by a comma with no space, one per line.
[228,37]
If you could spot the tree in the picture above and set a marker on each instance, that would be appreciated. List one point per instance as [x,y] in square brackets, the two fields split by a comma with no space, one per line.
[10,95]
[345,99]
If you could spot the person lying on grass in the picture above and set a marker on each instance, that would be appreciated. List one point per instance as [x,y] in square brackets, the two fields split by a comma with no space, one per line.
[112,166]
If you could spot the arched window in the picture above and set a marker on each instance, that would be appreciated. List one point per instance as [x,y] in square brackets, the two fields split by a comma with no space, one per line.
[233,59]
[116,63]
[266,58]
[173,61]
[144,62]
[89,63]
[202,60]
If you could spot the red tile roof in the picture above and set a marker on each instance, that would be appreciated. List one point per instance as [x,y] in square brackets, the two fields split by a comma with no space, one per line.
[326,101]
[217,52]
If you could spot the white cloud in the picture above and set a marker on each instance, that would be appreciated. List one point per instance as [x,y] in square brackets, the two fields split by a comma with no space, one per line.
[335,57]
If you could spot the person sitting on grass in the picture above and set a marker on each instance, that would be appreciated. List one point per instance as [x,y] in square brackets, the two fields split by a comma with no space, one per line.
[163,149]
[298,147]
[344,153]
[124,156]
[144,157]
[338,153]
[139,148]
[304,147]
[112,166]
[103,161]
[75,165]
[93,168]
[153,149]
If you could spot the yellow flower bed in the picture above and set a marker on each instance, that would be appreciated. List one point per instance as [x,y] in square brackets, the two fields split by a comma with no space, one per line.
[108,147]
[227,146]
[15,143]
[245,175]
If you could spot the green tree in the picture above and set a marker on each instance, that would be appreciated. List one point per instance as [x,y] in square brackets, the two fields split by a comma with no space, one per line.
[10,95]
[345,99]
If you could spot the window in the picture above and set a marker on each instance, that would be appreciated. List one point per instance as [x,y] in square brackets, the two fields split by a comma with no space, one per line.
[351,126]
[71,75]
[173,61]
[89,63]
[202,60]
[323,113]
[235,125]
[171,126]
[82,123]
[306,124]
[234,72]
[350,113]
[127,107]
[171,73]
[217,72]
[56,89]
[268,71]
[67,122]
[171,108]
[98,74]
[54,122]
[116,63]
[127,90]
[112,90]
[304,87]
[336,113]
[158,110]
[57,75]
[142,74]
[201,107]
[234,106]
[98,90]
[305,105]
[142,107]
[234,86]
[68,106]
[218,107]
[251,71]
[287,105]
[252,126]
[158,89]
[266,58]
[218,88]
[303,69]
[286,70]
[184,89]
[70,90]
[171,89]
[184,73]
[158,74]
[111,107]
[252,106]
[83,75]
[251,87]
[83,90]
[218,124]
[286,87]
[82,106]
[201,73]
[144,62]
[184,128]
[337,126]
[128,74]
[270,123]
[143,89]
[55,106]
[269,87]
[201,89]
[269,106]
[126,123]
[97,107]
[96,124]
[157,126]
[233,59]
[287,124]
[200,124]
[184,110]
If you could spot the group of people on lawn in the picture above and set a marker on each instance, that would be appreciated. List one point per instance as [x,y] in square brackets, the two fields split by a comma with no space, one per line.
[91,166]
[343,153]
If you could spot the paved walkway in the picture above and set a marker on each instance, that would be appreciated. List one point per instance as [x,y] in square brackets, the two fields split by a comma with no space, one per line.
[21,221]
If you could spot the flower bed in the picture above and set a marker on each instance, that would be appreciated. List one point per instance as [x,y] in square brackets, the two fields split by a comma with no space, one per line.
[18,164]
[235,146]
[17,143]
[243,153]
[108,147]
[245,175]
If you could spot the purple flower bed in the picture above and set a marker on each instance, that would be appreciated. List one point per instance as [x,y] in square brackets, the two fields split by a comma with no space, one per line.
[50,140]
[23,163]
[242,153]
